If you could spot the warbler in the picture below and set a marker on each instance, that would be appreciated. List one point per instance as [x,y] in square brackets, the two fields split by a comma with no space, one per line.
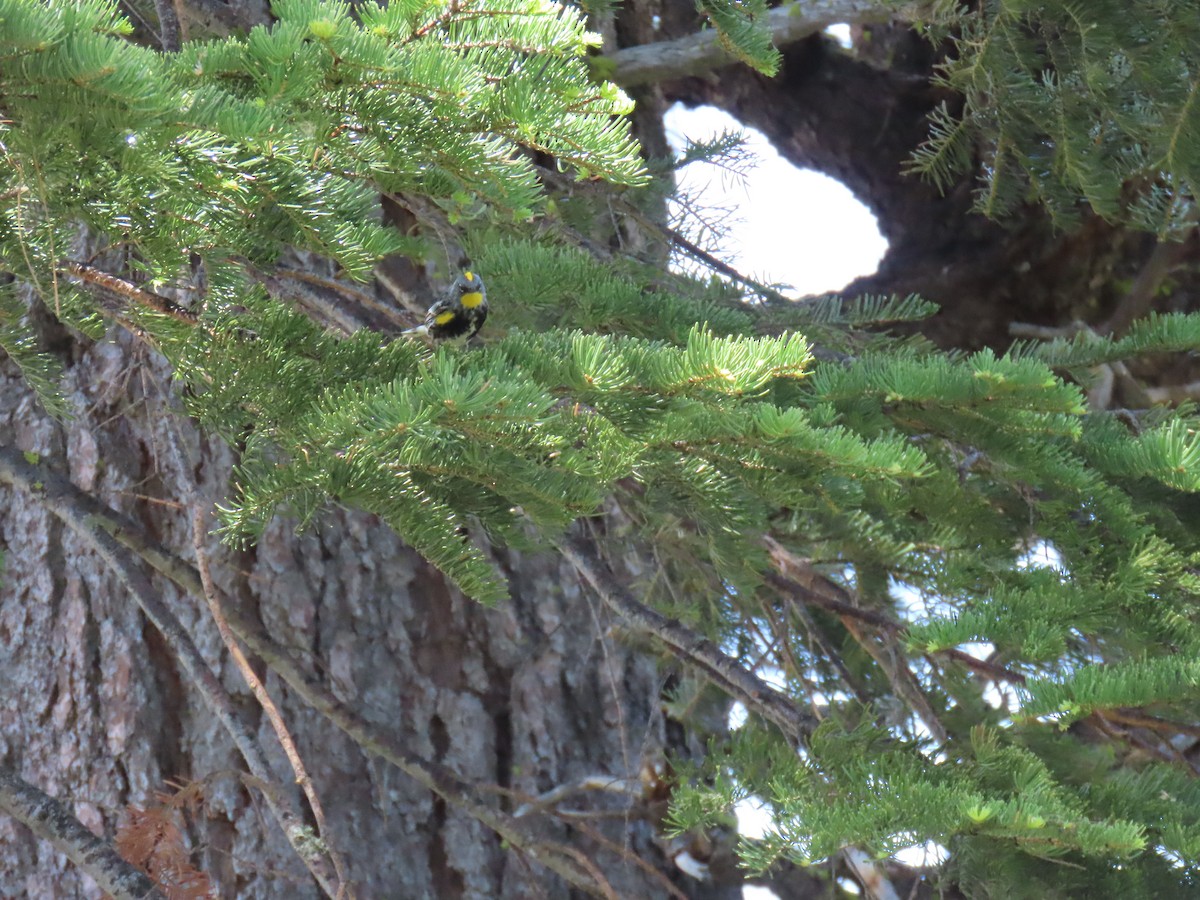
[459,315]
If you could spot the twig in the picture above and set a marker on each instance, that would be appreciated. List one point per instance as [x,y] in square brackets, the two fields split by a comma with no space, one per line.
[199,533]
[130,291]
[816,634]
[318,308]
[983,667]
[168,22]
[622,852]
[1136,719]
[1165,256]
[53,822]
[1046,332]
[1173,393]
[882,647]
[364,298]
[606,889]
[57,495]
[803,583]
[671,235]
[690,647]
[869,874]
[820,591]
[629,787]
[701,255]
[700,52]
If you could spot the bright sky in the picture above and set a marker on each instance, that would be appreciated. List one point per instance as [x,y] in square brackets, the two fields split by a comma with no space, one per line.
[792,226]
[789,226]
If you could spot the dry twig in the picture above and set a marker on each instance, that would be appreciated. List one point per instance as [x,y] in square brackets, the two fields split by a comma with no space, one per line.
[51,821]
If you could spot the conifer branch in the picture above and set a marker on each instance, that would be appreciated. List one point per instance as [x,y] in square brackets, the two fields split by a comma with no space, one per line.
[805,588]
[624,851]
[1139,300]
[671,235]
[870,874]
[131,292]
[321,309]
[1152,723]
[168,24]
[51,821]
[689,647]
[282,733]
[363,298]
[887,653]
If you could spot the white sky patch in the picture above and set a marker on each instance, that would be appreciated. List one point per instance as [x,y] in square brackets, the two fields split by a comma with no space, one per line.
[931,853]
[737,716]
[1042,556]
[793,226]
[841,34]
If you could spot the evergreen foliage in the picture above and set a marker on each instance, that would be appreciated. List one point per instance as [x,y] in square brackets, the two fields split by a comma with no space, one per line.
[923,484]
[1072,103]
[739,25]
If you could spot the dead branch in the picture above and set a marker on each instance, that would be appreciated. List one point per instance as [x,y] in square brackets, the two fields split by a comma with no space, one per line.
[870,875]
[1163,259]
[282,734]
[51,821]
[435,777]
[168,22]
[703,51]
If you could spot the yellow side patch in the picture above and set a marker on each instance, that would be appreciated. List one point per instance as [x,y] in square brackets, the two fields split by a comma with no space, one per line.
[472,300]
[444,318]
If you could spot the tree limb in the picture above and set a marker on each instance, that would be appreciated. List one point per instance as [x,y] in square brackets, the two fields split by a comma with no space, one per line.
[168,23]
[284,736]
[700,52]
[129,291]
[53,822]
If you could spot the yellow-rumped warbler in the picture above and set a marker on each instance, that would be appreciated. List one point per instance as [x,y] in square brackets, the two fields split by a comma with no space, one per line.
[459,315]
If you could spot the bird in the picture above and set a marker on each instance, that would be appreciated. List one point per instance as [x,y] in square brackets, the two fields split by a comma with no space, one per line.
[459,315]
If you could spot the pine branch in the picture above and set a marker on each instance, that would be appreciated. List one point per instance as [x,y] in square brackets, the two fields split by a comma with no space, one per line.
[870,874]
[671,235]
[754,693]
[259,690]
[131,292]
[168,23]
[1139,300]
[51,821]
